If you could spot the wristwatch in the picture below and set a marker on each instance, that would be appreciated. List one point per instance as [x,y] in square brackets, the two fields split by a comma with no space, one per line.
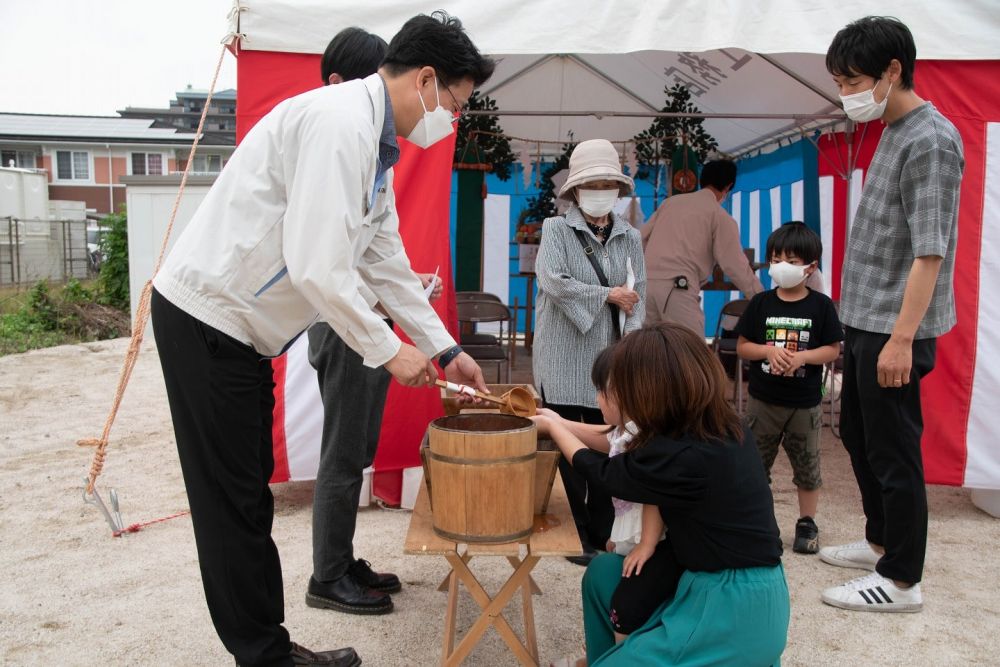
[449,354]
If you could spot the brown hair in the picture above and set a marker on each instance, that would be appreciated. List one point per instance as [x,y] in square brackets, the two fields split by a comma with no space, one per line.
[669,383]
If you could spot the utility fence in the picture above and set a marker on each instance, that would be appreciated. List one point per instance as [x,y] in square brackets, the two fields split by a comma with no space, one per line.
[33,249]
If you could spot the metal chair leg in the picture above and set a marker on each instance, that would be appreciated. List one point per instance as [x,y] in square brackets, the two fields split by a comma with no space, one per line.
[739,386]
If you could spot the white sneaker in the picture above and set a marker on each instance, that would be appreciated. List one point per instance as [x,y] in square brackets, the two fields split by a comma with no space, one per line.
[873,592]
[859,555]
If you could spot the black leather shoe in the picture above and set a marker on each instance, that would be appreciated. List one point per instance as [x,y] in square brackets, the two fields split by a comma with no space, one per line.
[362,572]
[589,554]
[347,595]
[341,657]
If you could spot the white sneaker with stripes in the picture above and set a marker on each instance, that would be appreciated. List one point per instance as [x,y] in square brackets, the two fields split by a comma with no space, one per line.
[873,592]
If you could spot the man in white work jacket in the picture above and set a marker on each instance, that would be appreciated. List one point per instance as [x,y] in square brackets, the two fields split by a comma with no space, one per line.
[293,232]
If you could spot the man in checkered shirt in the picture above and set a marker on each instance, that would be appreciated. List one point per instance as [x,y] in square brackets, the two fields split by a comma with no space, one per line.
[896,299]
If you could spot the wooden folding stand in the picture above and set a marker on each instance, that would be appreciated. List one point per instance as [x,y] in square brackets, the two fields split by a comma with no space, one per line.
[554,535]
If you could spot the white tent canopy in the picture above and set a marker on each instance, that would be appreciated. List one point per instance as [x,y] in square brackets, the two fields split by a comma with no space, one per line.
[737,58]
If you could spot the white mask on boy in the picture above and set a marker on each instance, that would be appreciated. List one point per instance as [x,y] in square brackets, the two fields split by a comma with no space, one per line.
[862,107]
[787,275]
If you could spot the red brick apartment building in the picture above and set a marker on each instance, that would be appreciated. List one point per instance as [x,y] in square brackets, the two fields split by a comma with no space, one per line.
[87,156]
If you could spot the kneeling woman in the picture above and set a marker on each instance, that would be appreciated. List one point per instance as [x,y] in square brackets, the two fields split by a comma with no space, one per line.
[692,459]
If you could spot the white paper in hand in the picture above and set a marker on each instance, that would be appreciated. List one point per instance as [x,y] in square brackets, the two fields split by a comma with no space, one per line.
[630,284]
[430,288]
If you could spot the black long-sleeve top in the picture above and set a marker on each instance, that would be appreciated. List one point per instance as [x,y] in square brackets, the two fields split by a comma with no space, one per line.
[713,496]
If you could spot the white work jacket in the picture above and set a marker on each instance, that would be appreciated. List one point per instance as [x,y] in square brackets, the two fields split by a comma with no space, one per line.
[295,230]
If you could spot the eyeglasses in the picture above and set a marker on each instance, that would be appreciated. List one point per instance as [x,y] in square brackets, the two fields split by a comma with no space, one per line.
[456,115]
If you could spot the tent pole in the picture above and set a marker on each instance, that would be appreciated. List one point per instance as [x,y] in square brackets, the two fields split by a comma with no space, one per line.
[660,114]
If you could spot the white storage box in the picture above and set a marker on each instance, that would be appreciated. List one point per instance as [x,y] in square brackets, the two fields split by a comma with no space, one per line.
[526,254]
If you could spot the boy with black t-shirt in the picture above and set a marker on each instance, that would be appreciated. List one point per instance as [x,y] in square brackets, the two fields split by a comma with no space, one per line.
[787,334]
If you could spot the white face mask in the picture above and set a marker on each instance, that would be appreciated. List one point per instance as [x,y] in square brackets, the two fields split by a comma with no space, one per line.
[434,126]
[862,107]
[597,203]
[787,275]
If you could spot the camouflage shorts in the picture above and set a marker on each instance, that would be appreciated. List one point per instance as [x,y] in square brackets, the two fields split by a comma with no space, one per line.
[797,429]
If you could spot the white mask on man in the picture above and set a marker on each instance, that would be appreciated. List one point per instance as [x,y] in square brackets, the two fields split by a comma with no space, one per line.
[597,203]
[862,107]
[434,126]
[787,275]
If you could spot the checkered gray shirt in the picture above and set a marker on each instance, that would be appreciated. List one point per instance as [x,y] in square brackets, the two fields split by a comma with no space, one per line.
[908,209]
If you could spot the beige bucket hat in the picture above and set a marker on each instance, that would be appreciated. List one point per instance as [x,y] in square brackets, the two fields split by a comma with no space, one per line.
[594,160]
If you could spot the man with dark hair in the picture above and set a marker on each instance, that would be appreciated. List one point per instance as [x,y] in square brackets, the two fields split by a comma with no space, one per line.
[350,432]
[288,234]
[684,239]
[353,53]
[719,174]
[896,299]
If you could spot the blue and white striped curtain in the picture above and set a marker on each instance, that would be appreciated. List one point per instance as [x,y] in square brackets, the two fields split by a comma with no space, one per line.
[771,189]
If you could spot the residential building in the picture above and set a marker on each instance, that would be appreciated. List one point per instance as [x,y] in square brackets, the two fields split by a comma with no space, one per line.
[185,112]
[87,156]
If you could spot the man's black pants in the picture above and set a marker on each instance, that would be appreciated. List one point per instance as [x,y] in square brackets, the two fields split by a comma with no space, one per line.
[221,402]
[881,428]
[350,438]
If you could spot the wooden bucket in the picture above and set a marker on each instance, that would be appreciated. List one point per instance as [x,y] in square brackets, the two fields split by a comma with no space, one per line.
[547,458]
[483,470]
[546,465]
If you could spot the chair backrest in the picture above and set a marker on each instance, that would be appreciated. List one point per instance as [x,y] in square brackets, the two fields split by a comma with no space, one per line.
[476,296]
[482,311]
[728,318]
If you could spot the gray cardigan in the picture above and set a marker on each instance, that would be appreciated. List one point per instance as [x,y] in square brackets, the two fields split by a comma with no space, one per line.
[573,319]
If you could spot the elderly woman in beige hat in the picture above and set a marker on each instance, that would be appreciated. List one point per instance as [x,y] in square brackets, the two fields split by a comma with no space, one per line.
[583,299]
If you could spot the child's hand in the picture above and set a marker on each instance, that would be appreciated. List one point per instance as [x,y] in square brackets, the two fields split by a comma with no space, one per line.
[610,547]
[796,363]
[551,414]
[779,359]
[543,423]
[637,558]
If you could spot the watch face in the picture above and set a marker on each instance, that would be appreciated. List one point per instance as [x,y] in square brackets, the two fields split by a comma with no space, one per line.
[682,282]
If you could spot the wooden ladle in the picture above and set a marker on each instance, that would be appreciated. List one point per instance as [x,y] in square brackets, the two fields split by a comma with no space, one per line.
[518,401]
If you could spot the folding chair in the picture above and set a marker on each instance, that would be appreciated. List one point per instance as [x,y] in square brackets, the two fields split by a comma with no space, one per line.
[467,335]
[724,346]
[831,391]
[479,312]
[476,296]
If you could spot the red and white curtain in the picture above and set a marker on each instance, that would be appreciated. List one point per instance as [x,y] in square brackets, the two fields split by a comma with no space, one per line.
[423,187]
[961,426]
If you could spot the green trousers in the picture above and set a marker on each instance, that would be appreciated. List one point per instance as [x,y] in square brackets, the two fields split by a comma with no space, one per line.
[731,617]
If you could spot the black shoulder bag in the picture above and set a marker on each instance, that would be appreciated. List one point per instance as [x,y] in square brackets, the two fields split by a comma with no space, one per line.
[590,251]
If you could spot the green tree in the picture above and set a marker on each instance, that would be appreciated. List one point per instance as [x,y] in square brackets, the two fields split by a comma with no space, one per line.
[493,148]
[543,205]
[42,308]
[656,145]
[112,281]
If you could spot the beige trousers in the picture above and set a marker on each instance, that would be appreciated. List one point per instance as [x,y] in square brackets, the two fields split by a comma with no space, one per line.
[666,303]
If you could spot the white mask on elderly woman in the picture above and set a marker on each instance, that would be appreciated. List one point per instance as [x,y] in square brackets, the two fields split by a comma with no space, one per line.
[597,203]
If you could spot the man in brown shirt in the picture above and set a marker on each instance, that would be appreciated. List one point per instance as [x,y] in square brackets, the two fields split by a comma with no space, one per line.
[686,237]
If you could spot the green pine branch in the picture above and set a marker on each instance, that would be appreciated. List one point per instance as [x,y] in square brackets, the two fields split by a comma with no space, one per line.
[494,150]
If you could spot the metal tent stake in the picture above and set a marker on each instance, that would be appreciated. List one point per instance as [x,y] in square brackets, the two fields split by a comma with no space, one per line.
[114,515]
